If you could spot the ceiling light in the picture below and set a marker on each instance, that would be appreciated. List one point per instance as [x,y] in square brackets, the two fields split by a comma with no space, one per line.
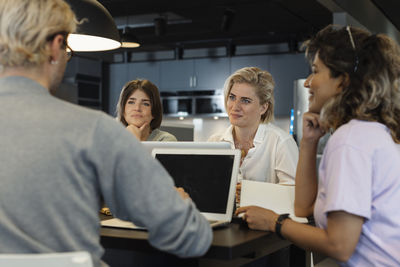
[97,31]
[227,19]
[129,39]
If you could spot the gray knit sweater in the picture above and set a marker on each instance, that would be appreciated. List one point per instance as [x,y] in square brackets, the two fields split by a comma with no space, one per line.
[56,162]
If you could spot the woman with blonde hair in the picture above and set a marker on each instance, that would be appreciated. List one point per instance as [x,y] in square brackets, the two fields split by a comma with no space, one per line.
[269,154]
[355,92]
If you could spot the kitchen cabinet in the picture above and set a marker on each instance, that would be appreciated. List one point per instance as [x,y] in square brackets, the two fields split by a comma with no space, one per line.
[89,91]
[176,75]
[145,70]
[210,74]
[82,83]
[260,61]
[285,69]
[194,74]
[118,77]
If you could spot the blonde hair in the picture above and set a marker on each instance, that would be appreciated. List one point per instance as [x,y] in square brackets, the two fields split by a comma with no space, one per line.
[27,25]
[263,84]
[372,64]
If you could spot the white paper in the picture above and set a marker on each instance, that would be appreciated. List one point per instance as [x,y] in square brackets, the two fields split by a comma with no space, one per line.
[119,224]
[276,197]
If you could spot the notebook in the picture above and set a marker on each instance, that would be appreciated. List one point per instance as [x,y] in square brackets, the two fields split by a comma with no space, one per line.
[276,197]
[150,145]
[207,175]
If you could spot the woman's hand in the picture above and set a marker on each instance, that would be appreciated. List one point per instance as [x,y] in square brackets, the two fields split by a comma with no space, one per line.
[141,133]
[258,218]
[238,190]
[312,129]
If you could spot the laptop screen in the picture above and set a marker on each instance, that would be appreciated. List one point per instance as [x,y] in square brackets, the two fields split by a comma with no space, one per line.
[206,178]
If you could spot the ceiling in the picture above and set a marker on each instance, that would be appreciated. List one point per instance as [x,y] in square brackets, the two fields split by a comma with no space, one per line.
[214,23]
[390,8]
[224,23]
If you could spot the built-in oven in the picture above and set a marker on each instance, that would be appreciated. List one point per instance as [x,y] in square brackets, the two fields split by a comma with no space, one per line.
[193,103]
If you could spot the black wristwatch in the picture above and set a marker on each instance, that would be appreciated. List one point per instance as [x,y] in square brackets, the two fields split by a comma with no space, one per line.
[278,224]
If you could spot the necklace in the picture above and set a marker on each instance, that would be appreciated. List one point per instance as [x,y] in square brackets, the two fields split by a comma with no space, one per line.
[244,146]
[244,149]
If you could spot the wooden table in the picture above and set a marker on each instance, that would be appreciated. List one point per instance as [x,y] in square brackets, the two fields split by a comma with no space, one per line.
[232,245]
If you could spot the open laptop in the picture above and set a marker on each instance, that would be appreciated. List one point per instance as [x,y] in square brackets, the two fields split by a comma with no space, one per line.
[150,145]
[207,175]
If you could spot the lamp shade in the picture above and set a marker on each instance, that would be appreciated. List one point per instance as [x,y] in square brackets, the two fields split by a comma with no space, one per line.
[97,30]
[129,39]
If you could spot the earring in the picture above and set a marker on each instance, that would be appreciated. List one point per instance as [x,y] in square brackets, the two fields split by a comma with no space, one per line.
[54,62]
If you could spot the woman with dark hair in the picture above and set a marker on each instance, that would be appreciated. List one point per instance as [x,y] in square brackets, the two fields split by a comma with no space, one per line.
[139,109]
[354,92]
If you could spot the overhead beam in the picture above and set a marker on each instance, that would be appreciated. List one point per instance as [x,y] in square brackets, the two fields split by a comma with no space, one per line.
[366,13]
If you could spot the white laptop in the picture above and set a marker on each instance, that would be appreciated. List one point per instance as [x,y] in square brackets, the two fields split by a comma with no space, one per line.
[209,177]
[150,145]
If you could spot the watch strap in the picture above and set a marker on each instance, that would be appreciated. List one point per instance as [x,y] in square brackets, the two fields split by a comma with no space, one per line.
[278,224]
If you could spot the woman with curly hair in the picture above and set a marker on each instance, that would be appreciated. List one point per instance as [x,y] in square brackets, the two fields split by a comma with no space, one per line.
[355,92]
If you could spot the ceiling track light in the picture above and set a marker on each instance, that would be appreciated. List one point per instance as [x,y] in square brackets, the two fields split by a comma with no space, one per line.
[227,19]
[97,30]
[160,26]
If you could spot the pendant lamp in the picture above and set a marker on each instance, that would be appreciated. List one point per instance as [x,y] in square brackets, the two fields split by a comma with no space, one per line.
[128,38]
[97,31]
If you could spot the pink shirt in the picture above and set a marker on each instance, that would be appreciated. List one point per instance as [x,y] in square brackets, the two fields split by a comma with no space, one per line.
[360,174]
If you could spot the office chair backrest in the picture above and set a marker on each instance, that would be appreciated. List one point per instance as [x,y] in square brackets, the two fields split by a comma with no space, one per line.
[64,259]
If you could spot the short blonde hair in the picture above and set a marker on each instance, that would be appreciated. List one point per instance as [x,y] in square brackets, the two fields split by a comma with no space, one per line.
[27,25]
[263,84]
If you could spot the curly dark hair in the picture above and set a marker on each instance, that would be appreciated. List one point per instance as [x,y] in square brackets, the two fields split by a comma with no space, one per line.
[372,64]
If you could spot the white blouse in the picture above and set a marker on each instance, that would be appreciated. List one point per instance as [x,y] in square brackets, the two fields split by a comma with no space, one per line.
[273,159]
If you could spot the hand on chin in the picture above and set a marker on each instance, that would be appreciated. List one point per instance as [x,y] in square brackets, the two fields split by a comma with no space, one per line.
[140,132]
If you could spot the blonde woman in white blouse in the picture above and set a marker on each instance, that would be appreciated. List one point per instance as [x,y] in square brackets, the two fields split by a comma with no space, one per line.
[269,154]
